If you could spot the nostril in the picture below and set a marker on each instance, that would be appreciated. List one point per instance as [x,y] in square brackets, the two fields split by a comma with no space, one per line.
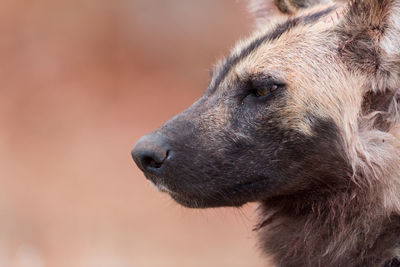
[153,160]
[151,153]
[152,163]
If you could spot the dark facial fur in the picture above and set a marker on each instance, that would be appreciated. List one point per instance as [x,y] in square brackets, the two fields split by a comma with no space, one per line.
[303,118]
[231,148]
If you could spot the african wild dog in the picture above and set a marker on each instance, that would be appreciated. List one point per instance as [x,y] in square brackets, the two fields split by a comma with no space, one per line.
[303,117]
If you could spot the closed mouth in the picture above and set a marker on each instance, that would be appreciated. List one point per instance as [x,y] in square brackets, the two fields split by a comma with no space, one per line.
[236,195]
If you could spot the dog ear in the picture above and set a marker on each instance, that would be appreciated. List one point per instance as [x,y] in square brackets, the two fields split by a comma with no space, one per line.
[369,41]
[262,11]
[369,44]
[292,6]
[262,8]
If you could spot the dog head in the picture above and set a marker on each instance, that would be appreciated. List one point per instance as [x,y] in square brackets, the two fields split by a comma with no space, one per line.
[288,111]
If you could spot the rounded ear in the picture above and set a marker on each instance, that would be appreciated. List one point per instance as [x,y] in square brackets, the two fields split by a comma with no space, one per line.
[292,6]
[369,44]
[262,8]
[369,41]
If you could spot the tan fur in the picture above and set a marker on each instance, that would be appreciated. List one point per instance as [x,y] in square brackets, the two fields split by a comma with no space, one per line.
[331,84]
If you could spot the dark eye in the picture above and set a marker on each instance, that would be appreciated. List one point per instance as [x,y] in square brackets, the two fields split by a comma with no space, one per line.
[265,89]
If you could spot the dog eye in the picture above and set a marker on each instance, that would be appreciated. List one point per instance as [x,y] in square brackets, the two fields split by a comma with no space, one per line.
[265,90]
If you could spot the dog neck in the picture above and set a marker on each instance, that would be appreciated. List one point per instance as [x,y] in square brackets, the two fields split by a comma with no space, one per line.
[338,229]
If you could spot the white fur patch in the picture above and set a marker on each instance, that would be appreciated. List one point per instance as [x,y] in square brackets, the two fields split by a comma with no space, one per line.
[160,187]
[391,41]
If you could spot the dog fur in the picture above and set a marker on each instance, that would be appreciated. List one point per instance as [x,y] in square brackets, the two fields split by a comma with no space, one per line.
[304,118]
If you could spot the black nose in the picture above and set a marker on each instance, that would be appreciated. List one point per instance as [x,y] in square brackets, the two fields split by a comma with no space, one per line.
[151,153]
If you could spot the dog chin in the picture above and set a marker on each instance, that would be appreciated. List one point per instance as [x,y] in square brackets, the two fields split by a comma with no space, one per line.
[228,197]
[203,202]
[160,187]
[185,201]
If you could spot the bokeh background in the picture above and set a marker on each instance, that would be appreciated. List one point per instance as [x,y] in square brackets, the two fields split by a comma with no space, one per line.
[81,82]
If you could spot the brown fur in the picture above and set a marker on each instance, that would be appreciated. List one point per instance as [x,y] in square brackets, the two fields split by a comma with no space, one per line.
[357,222]
[303,117]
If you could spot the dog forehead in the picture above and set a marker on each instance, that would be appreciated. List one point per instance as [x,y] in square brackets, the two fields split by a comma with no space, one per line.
[288,38]
[302,51]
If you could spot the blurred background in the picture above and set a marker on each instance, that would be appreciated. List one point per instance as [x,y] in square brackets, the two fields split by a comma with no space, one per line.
[81,82]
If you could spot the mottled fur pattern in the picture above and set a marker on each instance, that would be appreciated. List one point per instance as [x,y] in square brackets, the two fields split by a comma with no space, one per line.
[357,224]
[303,117]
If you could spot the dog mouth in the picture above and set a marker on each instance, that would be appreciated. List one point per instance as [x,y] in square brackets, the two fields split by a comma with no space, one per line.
[228,196]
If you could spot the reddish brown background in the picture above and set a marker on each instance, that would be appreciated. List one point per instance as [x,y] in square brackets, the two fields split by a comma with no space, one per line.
[81,81]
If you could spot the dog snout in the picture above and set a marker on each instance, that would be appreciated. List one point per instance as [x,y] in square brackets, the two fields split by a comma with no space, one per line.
[151,153]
